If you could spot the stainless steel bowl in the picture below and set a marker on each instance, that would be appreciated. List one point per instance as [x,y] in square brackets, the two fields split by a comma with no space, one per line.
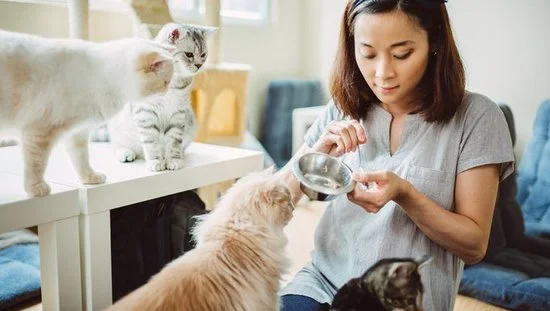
[322,177]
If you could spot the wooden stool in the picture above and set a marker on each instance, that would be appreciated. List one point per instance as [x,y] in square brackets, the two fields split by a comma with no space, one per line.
[219,101]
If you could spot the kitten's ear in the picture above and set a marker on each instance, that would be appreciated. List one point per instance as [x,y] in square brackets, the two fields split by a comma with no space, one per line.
[208,31]
[401,270]
[169,33]
[174,35]
[423,260]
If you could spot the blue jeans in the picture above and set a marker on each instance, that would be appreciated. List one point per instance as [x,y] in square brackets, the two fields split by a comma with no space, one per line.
[301,303]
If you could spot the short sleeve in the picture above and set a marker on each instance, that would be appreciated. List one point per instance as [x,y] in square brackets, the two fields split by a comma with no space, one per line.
[486,137]
[331,113]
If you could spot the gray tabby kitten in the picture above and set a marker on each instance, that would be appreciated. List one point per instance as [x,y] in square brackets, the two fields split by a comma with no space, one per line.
[390,284]
[161,127]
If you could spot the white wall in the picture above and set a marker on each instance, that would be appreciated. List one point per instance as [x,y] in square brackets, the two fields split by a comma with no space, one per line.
[328,31]
[52,21]
[273,50]
[506,48]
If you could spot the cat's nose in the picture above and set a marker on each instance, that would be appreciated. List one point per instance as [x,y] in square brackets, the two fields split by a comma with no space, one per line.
[198,66]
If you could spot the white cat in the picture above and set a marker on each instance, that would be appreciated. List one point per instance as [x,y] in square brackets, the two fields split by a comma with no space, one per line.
[161,127]
[49,87]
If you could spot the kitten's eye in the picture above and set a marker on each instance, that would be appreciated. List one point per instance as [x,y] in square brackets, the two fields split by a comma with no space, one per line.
[189,54]
[203,55]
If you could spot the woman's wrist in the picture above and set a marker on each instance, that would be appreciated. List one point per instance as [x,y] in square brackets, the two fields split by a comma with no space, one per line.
[405,194]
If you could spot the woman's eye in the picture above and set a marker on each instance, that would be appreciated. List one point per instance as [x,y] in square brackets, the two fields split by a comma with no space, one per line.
[188,54]
[403,56]
[370,56]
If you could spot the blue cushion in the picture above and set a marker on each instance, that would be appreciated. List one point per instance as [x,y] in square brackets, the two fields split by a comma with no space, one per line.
[283,96]
[534,170]
[538,229]
[19,274]
[506,288]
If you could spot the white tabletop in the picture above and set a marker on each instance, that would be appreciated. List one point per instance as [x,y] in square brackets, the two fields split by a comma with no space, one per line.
[129,183]
[18,211]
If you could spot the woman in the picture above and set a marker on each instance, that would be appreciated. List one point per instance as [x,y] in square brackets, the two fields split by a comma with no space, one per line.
[435,152]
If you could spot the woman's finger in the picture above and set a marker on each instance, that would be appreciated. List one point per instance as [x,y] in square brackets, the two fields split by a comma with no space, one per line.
[371,208]
[341,129]
[335,143]
[375,196]
[376,176]
[360,131]
[367,206]
[352,131]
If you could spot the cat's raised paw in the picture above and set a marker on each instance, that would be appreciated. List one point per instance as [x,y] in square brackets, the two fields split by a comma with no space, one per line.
[125,155]
[38,190]
[156,165]
[174,164]
[94,178]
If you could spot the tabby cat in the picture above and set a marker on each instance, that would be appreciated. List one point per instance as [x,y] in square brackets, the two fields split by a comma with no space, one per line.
[160,128]
[53,87]
[390,284]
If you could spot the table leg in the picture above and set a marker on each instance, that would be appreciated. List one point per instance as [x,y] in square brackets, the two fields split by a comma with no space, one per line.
[95,241]
[60,265]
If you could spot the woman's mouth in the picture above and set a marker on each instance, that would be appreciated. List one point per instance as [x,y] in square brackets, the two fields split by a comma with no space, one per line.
[388,90]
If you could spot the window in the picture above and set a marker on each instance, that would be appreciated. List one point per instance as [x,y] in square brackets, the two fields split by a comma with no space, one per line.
[101,5]
[231,10]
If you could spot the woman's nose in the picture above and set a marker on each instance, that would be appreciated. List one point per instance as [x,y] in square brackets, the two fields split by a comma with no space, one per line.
[384,69]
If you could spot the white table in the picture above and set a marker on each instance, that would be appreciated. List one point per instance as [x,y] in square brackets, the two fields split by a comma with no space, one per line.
[56,216]
[129,183]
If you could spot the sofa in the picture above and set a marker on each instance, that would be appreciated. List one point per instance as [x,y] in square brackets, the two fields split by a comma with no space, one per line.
[515,273]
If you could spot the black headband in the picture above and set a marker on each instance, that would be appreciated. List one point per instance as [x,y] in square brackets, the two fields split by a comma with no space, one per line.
[357,3]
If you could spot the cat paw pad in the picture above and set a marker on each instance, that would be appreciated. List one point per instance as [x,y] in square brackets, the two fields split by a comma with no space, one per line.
[94,178]
[38,190]
[156,165]
[125,155]
[174,164]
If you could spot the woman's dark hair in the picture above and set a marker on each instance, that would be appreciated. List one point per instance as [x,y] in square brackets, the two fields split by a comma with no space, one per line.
[441,89]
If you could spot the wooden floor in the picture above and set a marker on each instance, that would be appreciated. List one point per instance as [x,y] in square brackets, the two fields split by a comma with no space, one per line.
[300,235]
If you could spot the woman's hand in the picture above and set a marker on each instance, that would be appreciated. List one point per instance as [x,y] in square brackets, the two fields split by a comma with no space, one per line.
[375,189]
[340,137]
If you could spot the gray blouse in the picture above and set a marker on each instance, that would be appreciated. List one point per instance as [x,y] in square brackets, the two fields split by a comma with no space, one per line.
[349,240]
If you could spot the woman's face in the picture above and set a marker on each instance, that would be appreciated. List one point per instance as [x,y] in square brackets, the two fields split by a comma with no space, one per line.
[392,53]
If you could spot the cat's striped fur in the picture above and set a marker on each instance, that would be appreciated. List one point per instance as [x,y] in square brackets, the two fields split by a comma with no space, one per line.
[160,128]
[390,284]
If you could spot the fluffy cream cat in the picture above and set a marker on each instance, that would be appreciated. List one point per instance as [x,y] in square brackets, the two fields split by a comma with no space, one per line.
[49,87]
[239,258]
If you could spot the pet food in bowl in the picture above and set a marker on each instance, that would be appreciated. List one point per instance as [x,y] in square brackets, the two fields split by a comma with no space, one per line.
[322,177]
